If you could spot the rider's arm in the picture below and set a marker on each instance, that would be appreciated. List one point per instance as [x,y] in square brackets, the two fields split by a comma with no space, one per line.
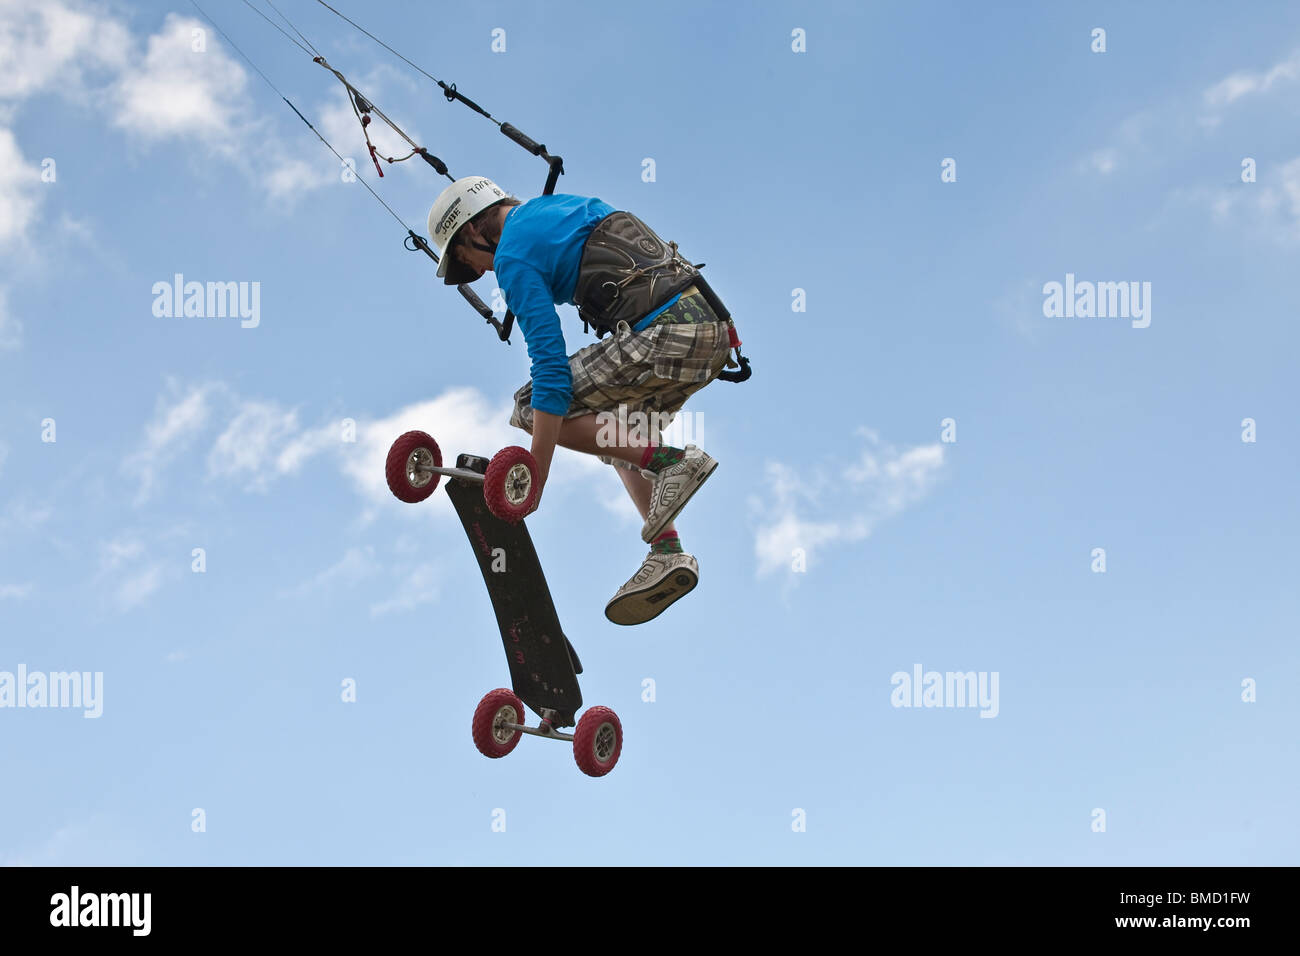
[546,432]
[530,299]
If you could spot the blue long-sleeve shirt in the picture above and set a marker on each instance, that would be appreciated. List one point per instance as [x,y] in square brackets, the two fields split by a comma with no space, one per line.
[536,265]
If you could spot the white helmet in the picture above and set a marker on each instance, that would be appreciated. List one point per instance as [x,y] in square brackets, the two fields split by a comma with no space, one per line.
[456,205]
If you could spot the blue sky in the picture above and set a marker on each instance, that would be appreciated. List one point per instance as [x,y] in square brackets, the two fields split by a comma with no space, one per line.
[817,171]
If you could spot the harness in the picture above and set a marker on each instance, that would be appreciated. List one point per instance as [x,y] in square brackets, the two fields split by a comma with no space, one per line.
[627,271]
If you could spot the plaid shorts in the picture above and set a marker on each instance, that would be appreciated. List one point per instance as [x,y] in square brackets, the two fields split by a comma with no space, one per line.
[654,370]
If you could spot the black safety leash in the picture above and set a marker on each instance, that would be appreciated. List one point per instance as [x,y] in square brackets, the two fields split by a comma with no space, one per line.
[720,310]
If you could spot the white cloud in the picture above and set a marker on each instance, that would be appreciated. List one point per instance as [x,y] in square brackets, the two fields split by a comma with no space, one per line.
[136,587]
[99,841]
[355,565]
[178,419]
[775,544]
[254,439]
[51,45]
[127,571]
[1246,83]
[291,176]
[11,330]
[1290,188]
[260,441]
[20,191]
[1269,207]
[895,479]
[79,229]
[9,592]
[419,586]
[1103,161]
[175,92]
[113,554]
[812,507]
[21,514]
[1129,140]
[308,444]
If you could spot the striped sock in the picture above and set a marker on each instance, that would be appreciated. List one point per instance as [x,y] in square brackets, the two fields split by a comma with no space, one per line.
[667,543]
[658,457]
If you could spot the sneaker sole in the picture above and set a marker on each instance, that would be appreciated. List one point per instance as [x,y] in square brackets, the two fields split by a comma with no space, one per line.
[700,478]
[638,607]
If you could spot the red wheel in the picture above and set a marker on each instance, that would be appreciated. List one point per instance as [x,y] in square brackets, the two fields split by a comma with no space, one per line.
[500,706]
[510,485]
[408,460]
[598,741]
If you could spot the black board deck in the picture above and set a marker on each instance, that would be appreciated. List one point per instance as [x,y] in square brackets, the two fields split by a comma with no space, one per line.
[542,672]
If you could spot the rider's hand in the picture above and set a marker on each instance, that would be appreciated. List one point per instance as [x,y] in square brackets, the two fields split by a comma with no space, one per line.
[539,479]
[546,430]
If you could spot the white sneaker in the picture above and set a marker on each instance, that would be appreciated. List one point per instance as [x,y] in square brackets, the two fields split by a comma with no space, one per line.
[673,487]
[661,580]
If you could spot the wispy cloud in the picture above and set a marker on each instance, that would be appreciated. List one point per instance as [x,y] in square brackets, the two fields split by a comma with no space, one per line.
[1269,207]
[1251,82]
[100,840]
[259,441]
[1127,140]
[14,592]
[814,507]
[251,449]
[356,565]
[129,573]
[418,586]
[179,416]
[1102,161]
[22,514]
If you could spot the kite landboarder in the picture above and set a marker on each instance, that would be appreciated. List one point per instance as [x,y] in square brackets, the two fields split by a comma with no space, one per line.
[665,342]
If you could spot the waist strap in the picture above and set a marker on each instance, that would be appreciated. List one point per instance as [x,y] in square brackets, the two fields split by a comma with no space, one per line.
[659,313]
